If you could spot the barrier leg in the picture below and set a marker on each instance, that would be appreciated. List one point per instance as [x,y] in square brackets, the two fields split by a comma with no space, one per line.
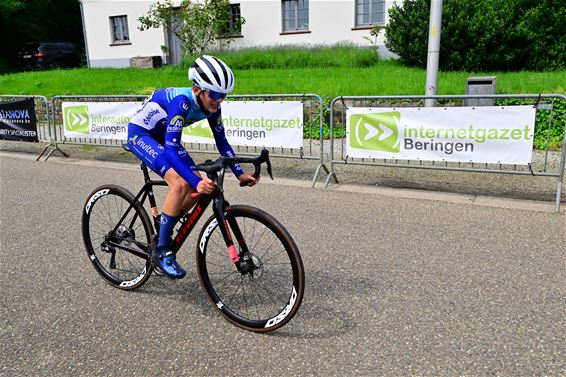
[320,166]
[561,176]
[558,196]
[55,148]
[330,175]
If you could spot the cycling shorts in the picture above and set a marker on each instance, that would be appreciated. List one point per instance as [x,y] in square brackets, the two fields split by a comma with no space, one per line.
[151,151]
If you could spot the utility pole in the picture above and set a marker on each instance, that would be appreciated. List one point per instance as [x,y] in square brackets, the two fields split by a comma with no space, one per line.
[433,51]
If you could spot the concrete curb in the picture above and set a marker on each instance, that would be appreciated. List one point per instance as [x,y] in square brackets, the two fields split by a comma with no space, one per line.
[456,198]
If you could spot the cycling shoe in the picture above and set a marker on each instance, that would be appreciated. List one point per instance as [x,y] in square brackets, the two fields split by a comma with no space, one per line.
[165,260]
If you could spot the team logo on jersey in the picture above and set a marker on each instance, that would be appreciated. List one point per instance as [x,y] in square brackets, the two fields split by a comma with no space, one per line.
[148,148]
[176,124]
[184,106]
[150,115]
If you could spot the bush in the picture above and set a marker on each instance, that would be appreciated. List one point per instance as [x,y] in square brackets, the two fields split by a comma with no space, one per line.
[552,138]
[549,124]
[407,32]
[483,35]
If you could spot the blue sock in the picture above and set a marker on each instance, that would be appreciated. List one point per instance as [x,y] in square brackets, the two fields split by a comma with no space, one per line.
[167,223]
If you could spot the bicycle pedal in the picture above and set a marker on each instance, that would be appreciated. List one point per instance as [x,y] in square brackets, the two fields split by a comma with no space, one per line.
[157,270]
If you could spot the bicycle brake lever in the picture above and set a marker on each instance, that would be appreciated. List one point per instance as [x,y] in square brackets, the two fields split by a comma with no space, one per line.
[264,157]
[268,163]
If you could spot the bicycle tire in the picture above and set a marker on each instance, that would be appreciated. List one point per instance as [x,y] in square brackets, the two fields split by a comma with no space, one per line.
[269,296]
[102,211]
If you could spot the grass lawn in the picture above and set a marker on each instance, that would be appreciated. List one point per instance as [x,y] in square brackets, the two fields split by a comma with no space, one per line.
[327,71]
[383,78]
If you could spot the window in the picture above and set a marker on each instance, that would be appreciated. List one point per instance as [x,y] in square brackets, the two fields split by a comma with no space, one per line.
[119,29]
[234,24]
[295,15]
[370,12]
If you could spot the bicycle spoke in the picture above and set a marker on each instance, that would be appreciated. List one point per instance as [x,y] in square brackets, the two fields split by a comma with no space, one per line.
[224,283]
[257,285]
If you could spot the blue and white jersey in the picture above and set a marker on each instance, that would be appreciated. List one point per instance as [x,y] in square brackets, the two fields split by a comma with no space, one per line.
[163,117]
[165,105]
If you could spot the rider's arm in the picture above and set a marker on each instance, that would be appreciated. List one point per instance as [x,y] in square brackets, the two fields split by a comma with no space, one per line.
[225,149]
[177,156]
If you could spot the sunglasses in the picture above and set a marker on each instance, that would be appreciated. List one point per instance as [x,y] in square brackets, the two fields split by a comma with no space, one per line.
[215,96]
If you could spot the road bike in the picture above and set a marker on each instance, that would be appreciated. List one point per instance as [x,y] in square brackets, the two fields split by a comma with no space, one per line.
[248,264]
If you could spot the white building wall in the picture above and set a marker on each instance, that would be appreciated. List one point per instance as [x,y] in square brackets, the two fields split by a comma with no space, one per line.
[330,22]
[98,35]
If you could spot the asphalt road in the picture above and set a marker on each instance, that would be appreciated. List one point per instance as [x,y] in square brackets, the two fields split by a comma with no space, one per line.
[396,285]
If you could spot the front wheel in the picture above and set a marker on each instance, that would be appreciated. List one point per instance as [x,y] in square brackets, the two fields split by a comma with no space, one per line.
[264,290]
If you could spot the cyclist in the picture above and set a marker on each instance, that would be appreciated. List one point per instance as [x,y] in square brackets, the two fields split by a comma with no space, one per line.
[154,136]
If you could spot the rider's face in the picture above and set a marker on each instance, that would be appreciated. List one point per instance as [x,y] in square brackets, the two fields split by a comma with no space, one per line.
[210,104]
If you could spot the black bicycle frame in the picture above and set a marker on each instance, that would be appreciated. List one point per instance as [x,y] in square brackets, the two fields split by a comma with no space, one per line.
[188,220]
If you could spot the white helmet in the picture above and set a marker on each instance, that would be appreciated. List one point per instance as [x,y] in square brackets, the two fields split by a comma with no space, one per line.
[211,73]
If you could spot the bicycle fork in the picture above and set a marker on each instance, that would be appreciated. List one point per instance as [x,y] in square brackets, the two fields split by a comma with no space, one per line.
[225,226]
[218,208]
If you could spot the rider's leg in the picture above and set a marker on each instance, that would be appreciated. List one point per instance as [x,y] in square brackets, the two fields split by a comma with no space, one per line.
[177,201]
[178,198]
[140,143]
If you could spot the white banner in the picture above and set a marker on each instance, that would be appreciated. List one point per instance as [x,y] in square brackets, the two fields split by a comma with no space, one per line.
[259,124]
[489,134]
[98,120]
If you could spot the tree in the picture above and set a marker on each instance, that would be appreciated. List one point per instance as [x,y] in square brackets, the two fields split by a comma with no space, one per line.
[542,29]
[196,24]
[7,7]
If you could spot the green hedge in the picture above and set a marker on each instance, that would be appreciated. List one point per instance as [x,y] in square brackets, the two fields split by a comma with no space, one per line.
[483,35]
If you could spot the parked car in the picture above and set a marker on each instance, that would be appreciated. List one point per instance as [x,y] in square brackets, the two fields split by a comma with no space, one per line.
[43,55]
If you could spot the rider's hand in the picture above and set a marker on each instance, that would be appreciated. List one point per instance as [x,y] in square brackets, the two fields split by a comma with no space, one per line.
[206,186]
[248,179]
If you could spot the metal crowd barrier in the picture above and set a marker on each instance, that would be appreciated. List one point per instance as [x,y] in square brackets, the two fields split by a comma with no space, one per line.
[540,165]
[313,136]
[42,115]
[58,127]
[312,148]
[51,130]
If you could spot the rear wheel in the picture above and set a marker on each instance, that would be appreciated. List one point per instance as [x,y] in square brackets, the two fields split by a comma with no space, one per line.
[264,290]
[121,256]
